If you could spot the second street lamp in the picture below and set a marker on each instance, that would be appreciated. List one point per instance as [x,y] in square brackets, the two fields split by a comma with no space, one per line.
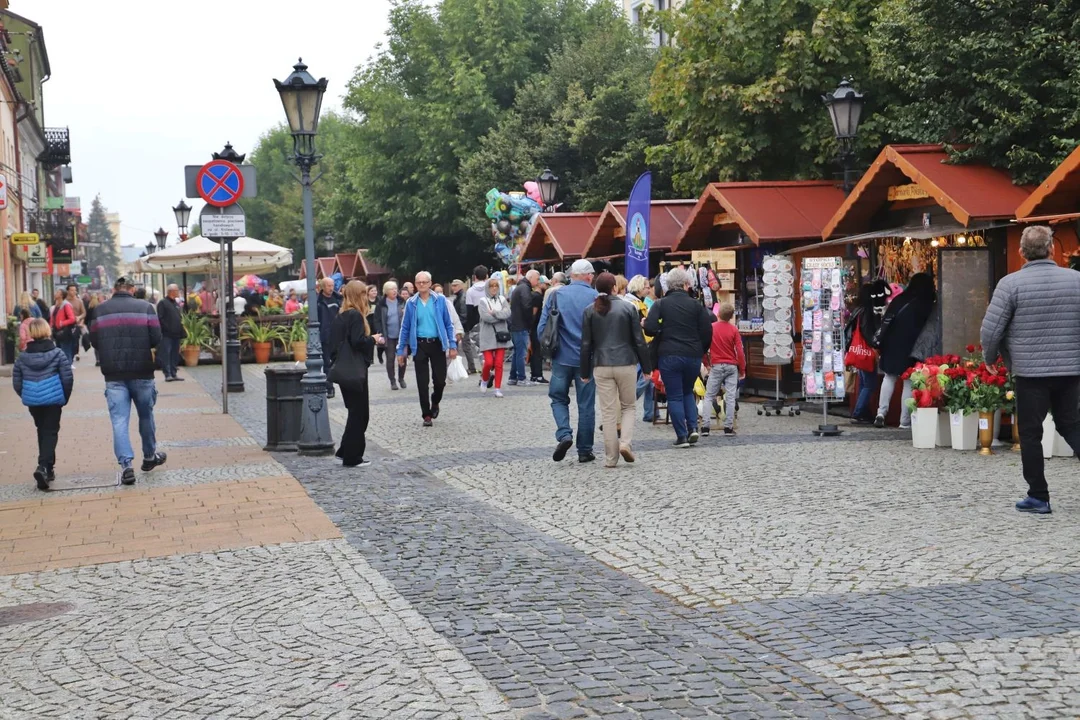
[182,213]
[845,106]
[301,96]
[162,237]
[549,189]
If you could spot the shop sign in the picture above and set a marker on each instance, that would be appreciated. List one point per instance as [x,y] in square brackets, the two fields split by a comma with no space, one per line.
[25,239]
[717,259]
[37,256]
[911,191]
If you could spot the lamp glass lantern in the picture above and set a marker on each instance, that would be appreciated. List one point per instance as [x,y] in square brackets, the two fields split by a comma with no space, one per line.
[328,240]
[302,95]
[549,187]
[845,106]
[150,248]
[161,236]
[183,215]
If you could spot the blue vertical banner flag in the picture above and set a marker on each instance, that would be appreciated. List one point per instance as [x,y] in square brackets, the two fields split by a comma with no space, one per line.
[638,216]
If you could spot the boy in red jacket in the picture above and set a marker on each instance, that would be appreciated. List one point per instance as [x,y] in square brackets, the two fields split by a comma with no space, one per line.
[728,367]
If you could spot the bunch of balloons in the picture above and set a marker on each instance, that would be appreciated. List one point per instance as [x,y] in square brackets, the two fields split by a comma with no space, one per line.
[511,215]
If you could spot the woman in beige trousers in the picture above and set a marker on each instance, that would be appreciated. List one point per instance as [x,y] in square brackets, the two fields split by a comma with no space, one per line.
[612,347]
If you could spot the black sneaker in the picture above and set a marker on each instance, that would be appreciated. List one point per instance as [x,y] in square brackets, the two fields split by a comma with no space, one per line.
[127,476]
[50,475]
[491,381]
[149,464]
[435,412]
[401,382]
[705,431]
[729,431]
[561,449]
[177,379]
[41,475]
[427,421]
[693,438]
[681,443]
[168,379]
[879,421]
[540,381]
[586,458]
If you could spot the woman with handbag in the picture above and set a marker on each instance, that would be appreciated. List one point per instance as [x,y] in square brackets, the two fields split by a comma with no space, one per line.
[352,350]
[495,335]
[860,329]
[895,340]
[64,322]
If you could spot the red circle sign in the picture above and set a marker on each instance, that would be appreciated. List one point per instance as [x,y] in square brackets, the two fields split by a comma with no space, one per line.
[220,183]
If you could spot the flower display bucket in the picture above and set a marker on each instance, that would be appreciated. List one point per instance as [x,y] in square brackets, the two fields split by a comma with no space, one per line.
[924,422]
[1053,444]
[944,437]
[965,430]
[986,433]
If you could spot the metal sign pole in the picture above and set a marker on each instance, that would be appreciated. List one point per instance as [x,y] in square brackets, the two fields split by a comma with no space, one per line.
[223,332]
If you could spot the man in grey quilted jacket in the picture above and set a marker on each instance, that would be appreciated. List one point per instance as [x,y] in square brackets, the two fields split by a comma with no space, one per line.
[1033,322]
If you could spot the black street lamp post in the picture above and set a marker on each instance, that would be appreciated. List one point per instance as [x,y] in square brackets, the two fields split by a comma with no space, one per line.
[845,106]
[301,95]
[328,241]
[182,213]
[549,189]
[161,236]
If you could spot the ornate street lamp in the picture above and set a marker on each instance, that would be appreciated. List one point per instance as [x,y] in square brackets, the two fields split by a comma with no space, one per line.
[161,236]
[845,106]
[183,215]
[549,189]
[301,96]
[150,248]
[328,241]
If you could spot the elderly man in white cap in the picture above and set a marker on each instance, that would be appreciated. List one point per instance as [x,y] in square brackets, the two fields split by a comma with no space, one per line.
[570,302]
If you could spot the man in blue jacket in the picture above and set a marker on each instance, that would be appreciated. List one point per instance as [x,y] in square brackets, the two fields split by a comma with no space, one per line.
[428,332]
[571,301]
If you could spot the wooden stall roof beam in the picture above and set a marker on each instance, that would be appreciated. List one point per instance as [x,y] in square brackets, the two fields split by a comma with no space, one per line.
[767,211]
[666,220]
[967,192]
[346,263]
[558,236]
[1058,194]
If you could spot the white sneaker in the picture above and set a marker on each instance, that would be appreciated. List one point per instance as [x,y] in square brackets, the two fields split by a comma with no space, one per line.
[498,393]
[483,386]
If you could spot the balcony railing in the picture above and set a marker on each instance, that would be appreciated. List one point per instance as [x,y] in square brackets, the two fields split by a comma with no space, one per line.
[57,147]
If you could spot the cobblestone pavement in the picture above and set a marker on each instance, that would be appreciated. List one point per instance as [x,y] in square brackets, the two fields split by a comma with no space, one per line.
[784,576]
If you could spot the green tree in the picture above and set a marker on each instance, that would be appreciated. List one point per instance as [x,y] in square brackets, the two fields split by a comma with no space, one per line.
[587,117]
[98,233]
[1000,75]
[741,88]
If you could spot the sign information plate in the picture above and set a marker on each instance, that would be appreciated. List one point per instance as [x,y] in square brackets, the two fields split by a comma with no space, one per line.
[223,226]
[25,239]
[220,183]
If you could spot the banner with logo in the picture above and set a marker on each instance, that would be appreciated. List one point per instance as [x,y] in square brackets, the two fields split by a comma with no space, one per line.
[638,215]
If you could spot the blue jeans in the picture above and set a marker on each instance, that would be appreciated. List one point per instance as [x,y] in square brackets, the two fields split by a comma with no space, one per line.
[867,386]
[119,396]
[521,349]
[645,387]
[559,393]
[679,375]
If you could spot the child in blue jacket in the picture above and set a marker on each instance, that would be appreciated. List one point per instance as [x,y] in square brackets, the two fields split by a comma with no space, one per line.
[43,379]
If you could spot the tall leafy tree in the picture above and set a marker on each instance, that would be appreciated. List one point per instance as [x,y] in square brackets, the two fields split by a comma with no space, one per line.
[741,87]
[98,232]
[1000,75]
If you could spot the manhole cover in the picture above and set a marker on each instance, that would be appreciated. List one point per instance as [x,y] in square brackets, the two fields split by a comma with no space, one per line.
[16,614]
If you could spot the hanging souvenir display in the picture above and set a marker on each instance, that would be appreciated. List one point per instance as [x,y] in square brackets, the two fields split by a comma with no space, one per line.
[778,281]
[822,293]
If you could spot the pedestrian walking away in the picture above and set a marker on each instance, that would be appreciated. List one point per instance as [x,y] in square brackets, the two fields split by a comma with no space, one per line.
[329,303]
[612,350]
[389,310]
[123,332]
[352,351]
[895,340]
[495,336]
[428,333]
[1033,323]
[536,356]
[727,367]
[64,325]
[471,324]
[521,324]
[568,304]
[79,306]
[682,329]
[172,332]
[42,378]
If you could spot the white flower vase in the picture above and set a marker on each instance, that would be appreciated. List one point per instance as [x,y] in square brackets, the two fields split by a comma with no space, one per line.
[944,437]
[1053,444]
[965,430]
[924,422]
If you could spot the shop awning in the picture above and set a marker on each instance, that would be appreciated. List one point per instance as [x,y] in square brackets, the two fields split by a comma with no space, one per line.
[1058,194]
[764,211]
[915,232]
[557,236]
[917,173]
[200,254]
[665,223]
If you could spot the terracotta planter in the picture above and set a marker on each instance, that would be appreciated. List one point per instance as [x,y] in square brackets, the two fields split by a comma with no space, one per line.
[986,433]
[191,354]
[924,428]
[262,352]
[299,351]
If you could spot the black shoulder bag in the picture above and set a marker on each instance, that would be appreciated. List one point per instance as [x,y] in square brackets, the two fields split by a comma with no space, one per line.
[549,341]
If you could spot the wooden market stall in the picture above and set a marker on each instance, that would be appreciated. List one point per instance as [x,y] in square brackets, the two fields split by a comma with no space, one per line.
[556,238]
[1056,202]
[755,219]
[370,271]
[608,239]
[346,264]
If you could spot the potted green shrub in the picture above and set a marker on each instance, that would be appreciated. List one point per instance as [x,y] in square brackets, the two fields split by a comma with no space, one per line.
[298,339]
[261,337]
[197,335]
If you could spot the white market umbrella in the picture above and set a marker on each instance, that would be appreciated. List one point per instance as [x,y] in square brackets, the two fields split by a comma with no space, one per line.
[200,254]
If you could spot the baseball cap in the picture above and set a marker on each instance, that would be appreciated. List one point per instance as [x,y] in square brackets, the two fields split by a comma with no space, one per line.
[122,282]
[544,279]
[581,267]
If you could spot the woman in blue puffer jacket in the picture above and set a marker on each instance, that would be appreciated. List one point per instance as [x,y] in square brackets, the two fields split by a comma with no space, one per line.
[43,379]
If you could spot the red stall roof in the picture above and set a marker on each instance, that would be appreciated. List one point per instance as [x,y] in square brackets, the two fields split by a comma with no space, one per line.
[968,192]
[370,267]
[346,263]
[303,269]
[666,222]
[1059,194]
[764,211]
[326,266]
[558,236]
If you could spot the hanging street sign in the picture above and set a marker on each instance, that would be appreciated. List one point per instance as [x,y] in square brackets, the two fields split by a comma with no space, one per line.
[220,183]
[225,223]
[37,256]
[191,189]
[25,239]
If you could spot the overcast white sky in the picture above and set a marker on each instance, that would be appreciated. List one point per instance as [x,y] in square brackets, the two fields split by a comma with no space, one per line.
[148,87]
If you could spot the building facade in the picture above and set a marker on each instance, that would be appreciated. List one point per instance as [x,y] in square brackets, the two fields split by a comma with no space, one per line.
[637,12]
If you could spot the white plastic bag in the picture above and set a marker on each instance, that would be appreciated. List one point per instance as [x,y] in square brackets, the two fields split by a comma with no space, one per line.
[455,370]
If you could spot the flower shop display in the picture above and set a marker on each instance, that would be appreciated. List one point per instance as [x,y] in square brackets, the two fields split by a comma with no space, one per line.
[927,397]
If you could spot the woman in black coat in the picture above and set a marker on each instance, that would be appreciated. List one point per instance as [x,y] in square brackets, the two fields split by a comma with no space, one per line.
[900,328]
[351,327]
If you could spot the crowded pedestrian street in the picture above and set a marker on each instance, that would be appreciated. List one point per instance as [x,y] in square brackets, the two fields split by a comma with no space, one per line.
[465,574]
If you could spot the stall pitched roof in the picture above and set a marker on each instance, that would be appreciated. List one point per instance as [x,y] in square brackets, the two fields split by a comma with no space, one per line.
[558,236]
[1058,194]
[666,223]
[303,269]
[325,267]
[346,263]
[371,267]
[766,211]
[968,192]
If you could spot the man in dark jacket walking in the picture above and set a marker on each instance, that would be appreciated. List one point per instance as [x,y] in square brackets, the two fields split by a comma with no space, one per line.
[329,306]
[521,322]
[123,332]
[1033,322]
[172,332]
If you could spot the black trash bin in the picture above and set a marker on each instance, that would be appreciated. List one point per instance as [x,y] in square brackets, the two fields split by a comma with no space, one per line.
[284,403]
